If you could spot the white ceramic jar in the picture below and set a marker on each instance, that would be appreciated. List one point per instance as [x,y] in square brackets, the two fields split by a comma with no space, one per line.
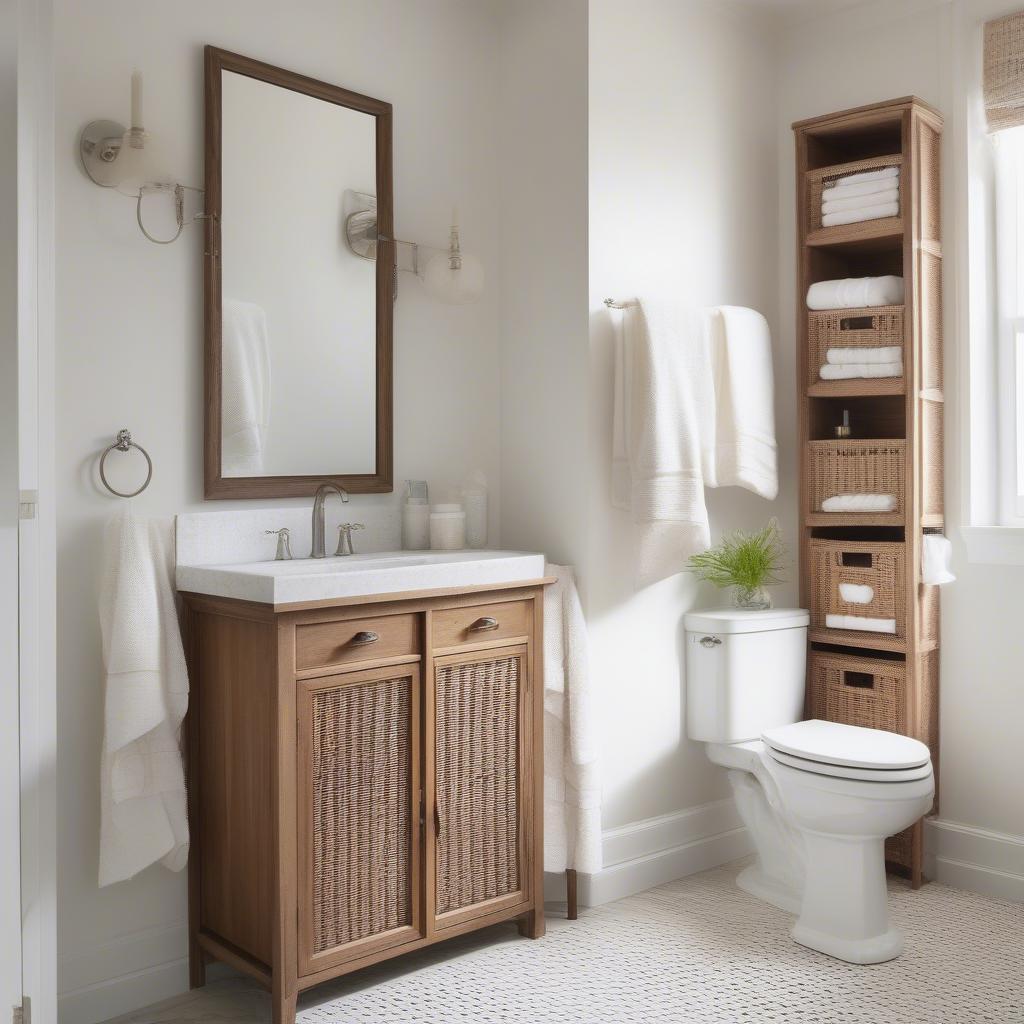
[447,528]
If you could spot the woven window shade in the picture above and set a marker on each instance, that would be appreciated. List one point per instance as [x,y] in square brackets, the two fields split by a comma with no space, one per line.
[1004,72]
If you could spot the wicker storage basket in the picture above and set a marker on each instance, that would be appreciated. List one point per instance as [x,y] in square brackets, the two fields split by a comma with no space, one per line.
[819,180]
[855,467]
[878,327]
[868,692]
[880,565]
[899,849]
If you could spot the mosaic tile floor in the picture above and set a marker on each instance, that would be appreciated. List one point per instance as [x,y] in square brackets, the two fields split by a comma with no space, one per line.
[697,951]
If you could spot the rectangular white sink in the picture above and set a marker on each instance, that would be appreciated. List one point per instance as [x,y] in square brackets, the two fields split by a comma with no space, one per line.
[359,576]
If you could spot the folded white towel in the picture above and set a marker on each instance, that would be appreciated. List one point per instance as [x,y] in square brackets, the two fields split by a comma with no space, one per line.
[857,354]
[860,622]
[245,388]
[572,739]
[846,371]
[856,593]
[858,202]
[855,293]
[830,220]
[142,781]
[875,175]
[860,503]
[936,559]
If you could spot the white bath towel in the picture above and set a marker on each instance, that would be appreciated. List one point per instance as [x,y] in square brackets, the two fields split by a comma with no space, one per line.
[855,293]
[663,431]
[745,449]
[860,503]
[863,182]
[861,622]
[245,388]
[845,371]
[856,593]
[572,783]
[142,782]
[936,559]
[859,177]
[854,354]
[877,212]
[858,202]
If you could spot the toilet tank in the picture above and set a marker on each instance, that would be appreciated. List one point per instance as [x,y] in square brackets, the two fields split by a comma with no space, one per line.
[744,672]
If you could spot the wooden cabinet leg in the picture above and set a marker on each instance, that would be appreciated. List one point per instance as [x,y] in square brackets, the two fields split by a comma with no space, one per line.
[283,1006]
[531,925]
[570,894]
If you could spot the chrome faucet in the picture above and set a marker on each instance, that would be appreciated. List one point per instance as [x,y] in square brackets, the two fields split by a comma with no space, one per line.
[318,515]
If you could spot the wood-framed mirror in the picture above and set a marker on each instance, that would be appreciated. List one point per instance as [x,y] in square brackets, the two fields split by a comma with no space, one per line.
[298,317]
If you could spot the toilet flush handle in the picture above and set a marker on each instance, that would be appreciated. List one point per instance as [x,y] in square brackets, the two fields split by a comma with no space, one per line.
[710,641]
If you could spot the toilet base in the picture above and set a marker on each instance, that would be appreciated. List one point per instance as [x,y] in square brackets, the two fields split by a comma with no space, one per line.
[757,883]
[876,950]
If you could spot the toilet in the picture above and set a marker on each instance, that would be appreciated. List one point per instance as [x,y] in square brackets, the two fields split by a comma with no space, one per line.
[818,798]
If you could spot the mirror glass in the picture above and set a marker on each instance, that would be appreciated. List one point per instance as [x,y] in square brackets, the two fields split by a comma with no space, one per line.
[302,349]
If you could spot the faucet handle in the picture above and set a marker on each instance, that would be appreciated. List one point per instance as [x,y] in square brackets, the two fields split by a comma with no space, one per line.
[345,538]
[284,547]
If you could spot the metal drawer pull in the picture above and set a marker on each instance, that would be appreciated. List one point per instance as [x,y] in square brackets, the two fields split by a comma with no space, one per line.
[483,624]
[710,641]
[364,636]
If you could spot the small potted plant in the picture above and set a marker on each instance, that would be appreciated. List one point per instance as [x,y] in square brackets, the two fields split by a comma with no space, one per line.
[747,562]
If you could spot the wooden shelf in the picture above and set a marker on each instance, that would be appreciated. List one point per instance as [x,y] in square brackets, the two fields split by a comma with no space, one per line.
[857,638]
[860,387]
[860,235]
[826,519]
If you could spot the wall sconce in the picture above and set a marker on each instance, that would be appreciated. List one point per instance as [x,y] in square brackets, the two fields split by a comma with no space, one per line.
[449,275]
[120,158]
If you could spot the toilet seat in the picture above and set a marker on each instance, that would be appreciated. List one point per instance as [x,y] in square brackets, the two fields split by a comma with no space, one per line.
[848,752]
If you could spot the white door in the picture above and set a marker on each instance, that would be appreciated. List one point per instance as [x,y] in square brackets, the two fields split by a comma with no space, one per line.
[10,771]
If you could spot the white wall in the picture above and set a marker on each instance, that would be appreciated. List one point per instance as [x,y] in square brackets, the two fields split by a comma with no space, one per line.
[683,196]
[877,52]
[129,322]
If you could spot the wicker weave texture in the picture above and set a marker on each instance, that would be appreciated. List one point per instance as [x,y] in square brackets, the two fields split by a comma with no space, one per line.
[1004,72]
[819,180]
[834,562]
[880,327]
[361,811]
[856,467]
[477,768]
[869,692]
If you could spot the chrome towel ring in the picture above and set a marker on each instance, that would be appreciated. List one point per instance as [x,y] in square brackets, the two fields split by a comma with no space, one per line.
[122,444]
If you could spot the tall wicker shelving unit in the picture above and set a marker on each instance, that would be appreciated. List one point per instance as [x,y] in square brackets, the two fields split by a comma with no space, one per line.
[863,678]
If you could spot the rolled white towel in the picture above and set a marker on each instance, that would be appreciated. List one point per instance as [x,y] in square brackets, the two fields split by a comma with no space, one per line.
[936,559]
[856,354]
[860,622]
[860,503]
[879,212]
[855,293]
[845,371]
[856,593]
[885,195]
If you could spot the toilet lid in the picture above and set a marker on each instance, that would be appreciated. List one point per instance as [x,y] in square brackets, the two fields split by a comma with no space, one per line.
[851,746]
[845,771]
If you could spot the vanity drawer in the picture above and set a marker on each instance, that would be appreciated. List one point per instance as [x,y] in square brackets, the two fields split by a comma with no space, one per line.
[480,623]
[319,644]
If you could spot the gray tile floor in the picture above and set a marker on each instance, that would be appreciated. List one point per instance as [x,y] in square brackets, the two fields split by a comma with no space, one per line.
[697,951]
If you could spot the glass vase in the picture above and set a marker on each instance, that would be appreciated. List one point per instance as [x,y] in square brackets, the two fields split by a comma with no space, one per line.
[752,598]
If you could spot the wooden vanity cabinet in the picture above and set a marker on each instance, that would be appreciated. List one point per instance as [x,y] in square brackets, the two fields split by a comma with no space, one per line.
[364,779]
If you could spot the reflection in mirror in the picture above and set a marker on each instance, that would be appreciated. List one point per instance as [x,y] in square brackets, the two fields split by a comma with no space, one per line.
[299,308]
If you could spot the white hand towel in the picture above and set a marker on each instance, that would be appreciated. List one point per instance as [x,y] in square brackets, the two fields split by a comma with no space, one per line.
[854,354]
[572,784]
[855,293]
[885,195]
[856,593]
[245,388]
[745,449]
[845,371]
[860,622]
[860,503]
[664,429]
[142,782]
[936,559]
[856,216]
[862,176]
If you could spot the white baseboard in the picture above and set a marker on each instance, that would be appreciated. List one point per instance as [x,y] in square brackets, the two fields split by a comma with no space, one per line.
[123,975]
[989,863]
[652,852]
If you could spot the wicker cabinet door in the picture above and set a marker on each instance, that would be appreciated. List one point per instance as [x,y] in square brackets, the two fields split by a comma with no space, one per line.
[359,815]
[480,753]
